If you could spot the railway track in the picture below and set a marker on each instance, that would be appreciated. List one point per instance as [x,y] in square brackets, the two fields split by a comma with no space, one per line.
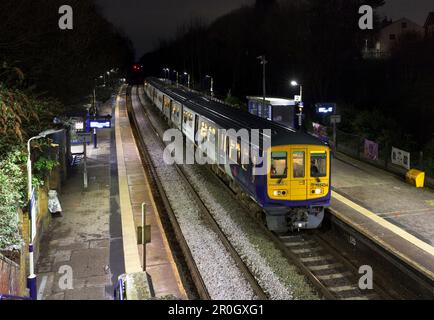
[333,275]
[205,213]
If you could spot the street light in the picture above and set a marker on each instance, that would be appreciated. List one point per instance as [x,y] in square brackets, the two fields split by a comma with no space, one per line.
[31,280]
[166,76]
[264,62]
[188,79]
[300,103]
[295,84]
[177,75]
[212,85]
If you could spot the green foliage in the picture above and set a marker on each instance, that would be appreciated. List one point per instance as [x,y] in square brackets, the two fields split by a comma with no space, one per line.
[42,168]
[12,197]
[23,115]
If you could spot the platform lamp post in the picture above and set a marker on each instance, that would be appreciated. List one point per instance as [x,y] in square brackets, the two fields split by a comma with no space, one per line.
[188,79]
[211,85]
[263,62]
[177,76]
[300,103]
[166,73]
[31,279]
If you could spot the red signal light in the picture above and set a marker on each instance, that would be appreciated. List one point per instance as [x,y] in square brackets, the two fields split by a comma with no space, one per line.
[137,67]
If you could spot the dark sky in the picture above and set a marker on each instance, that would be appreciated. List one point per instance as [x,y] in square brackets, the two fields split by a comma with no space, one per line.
[146,21]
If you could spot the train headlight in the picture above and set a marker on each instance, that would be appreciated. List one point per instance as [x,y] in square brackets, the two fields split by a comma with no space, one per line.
[279,193]
[318,191]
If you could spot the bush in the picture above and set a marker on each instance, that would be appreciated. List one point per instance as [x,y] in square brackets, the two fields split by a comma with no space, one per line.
[12,197]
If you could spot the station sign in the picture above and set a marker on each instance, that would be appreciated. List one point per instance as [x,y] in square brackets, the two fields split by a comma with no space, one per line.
[84,137]
[100,124]
[325,108]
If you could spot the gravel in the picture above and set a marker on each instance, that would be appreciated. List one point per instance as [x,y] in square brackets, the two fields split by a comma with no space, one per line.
[222,277]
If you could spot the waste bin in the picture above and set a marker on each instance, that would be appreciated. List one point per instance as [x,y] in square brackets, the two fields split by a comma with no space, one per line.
[416,178]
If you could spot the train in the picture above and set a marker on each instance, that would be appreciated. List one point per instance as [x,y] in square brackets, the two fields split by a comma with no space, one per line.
[292,192]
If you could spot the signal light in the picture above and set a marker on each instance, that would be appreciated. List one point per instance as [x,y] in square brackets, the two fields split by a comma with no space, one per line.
[137,67]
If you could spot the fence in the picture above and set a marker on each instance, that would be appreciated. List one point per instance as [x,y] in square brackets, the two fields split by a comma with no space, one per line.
[380,154]
[9,276]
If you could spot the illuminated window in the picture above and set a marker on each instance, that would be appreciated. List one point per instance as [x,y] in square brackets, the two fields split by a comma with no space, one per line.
[245,157]
[204,130]
[298,164]
[318,165]
[211,134]
[278,165]
[238,152]
[233,152]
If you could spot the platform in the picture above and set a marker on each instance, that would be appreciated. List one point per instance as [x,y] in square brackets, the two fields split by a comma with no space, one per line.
[380,205]
[134,189]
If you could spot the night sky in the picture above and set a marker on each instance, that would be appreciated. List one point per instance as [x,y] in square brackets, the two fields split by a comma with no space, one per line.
[146,21]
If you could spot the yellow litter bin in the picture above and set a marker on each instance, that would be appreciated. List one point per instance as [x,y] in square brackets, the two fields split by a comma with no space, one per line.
[416,178]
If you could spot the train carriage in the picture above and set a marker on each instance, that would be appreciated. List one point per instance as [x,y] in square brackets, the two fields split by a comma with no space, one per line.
[296,186]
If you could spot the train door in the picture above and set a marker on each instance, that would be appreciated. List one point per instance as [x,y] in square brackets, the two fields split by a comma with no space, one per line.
[298,175]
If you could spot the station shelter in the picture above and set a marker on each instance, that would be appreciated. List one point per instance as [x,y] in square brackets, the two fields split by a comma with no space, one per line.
[282,111]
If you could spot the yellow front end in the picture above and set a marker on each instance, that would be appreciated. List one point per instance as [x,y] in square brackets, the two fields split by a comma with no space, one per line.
[298,172]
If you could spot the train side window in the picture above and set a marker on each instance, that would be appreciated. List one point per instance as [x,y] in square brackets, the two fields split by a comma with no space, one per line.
[211,134]
[318,165]
[279,163]
[239,151]
[245,157]
[298,164]
[233,152]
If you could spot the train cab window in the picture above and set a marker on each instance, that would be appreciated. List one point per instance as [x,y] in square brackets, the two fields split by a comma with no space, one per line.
[298,164]
[278,165]
[318,165]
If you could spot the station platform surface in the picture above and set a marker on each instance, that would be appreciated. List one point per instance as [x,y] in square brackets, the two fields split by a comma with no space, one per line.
[134,189]
[383,207]
[85,243]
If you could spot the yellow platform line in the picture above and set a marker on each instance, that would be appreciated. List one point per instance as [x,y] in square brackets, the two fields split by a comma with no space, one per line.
[129,237]
[391,227]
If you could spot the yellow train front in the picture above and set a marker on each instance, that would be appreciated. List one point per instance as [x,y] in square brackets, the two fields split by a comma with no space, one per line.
[298,184]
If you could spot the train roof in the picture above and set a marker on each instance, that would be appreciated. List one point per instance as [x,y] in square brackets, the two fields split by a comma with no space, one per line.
[232,118]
